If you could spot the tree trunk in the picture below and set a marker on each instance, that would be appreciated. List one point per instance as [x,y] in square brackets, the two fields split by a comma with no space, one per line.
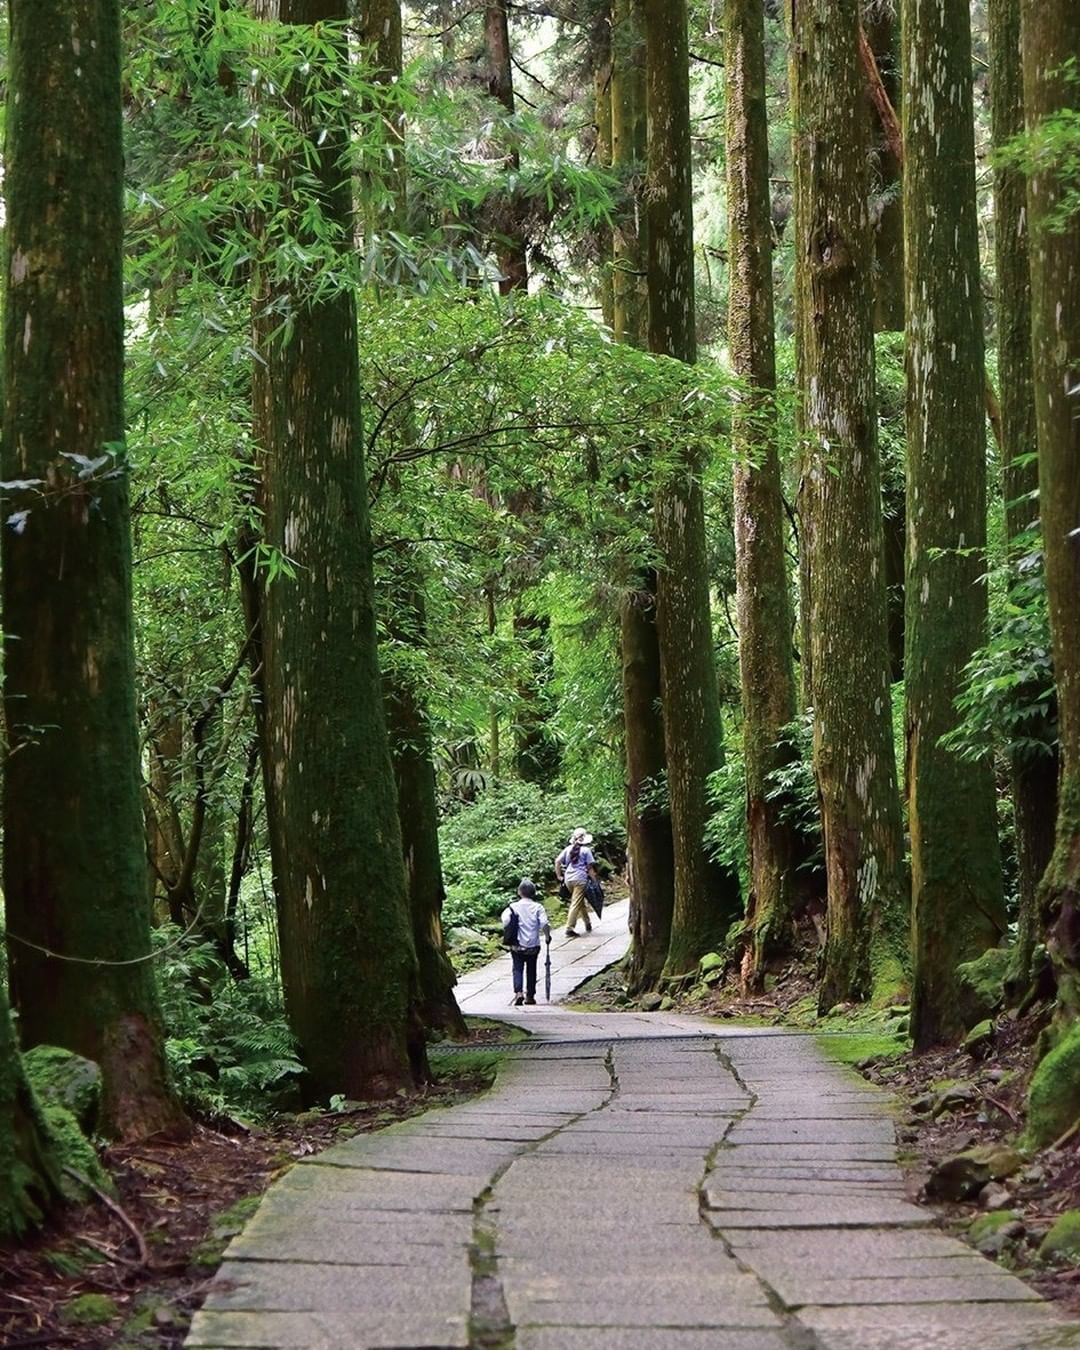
[1033,778]
[1051,39]
[761,573]
[887,212]
[648,820]
[707,897]
[957,904]
[29,1165]
[73,827]
[407,718]
[418,811]
[347,957]
[512,254]
[841,511]
[602,77]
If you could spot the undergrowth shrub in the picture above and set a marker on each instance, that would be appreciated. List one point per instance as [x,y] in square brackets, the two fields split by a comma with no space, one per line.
[515,831]
[228,1044]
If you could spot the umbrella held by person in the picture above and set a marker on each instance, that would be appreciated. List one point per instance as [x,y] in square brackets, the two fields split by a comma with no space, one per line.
[525,922]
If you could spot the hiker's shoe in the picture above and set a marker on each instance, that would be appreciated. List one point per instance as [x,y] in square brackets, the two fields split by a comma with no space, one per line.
[588,928]
[519,999]
[571,932]
[530,1000]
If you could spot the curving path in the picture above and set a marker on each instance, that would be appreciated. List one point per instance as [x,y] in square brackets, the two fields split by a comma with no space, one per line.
[632,1182]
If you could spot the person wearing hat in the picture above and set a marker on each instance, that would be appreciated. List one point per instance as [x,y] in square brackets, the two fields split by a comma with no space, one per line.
[532,925]
[574,866]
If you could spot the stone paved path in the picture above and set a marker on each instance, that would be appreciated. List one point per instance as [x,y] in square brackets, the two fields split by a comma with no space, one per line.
[631,1182]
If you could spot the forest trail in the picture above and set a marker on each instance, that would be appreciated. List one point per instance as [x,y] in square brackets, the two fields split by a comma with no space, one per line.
[631,1182]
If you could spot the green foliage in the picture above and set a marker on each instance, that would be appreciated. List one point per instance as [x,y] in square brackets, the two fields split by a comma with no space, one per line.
[515,831]
[228,1044]
[90,1310]
[1053,149]
[1008,700]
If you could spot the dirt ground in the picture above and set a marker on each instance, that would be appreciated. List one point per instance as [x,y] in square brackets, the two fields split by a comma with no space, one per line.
[131,1273]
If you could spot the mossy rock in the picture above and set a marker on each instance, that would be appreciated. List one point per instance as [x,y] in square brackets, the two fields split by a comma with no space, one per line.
[979,1039]
[74,1150]
[1054,1095]
[1062,1243]
[711,961]
[90,1310]
[982,1225]
[965,1174]
[61,1078]
[980,985]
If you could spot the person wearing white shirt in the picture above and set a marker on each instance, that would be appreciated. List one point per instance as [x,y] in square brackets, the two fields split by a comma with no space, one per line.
[532,926]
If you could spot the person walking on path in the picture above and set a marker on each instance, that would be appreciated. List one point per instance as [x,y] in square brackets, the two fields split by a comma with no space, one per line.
[574,866]
[532,925]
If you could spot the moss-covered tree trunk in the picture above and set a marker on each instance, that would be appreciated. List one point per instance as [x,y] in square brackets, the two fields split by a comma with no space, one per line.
[74,857]
[1034,776]
[511,248]
[840,510]
[418,810]
[1051,40]
[648,820]
[707,897]
[29,1162]
[347,957]
[763,598]
[957,905]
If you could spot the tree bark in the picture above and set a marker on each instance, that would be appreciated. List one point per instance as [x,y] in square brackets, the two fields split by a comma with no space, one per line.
[1051,39]
[840,511]
[347,956]
[707,899]
[958,909]
[648,821]
[602,78]
[1033,778]
[761,573]
[74,853]
[881,57]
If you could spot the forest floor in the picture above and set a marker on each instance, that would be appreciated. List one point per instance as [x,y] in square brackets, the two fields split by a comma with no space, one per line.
[98,1279]
[948,1101]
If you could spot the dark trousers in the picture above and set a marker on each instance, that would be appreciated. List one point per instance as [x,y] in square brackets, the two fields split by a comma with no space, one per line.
[525,963]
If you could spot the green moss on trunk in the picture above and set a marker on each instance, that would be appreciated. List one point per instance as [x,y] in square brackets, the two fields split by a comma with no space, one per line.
[958,909]
[30,1180]
[74,863]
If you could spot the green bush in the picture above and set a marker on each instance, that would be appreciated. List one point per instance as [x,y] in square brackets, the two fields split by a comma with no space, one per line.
[228,1043]
[515,831]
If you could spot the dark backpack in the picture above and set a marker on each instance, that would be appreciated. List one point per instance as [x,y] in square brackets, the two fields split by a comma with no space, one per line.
[510,929]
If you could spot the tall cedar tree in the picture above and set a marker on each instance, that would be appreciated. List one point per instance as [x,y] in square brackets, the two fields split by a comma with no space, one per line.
[707,897]
[761,573]
[1034,775]
[840,508]
[887,211]
[648,821]
[601,28]
[1051,39]
[407,717]
[347,959]
[74,858]
[957,905]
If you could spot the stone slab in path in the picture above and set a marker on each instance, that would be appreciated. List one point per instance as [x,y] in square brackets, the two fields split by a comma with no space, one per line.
[632,1182]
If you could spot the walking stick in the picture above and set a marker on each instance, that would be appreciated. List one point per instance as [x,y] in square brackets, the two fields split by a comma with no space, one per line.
[547,971]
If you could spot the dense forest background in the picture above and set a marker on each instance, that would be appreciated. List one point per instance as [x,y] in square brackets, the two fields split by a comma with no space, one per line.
[432,428]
